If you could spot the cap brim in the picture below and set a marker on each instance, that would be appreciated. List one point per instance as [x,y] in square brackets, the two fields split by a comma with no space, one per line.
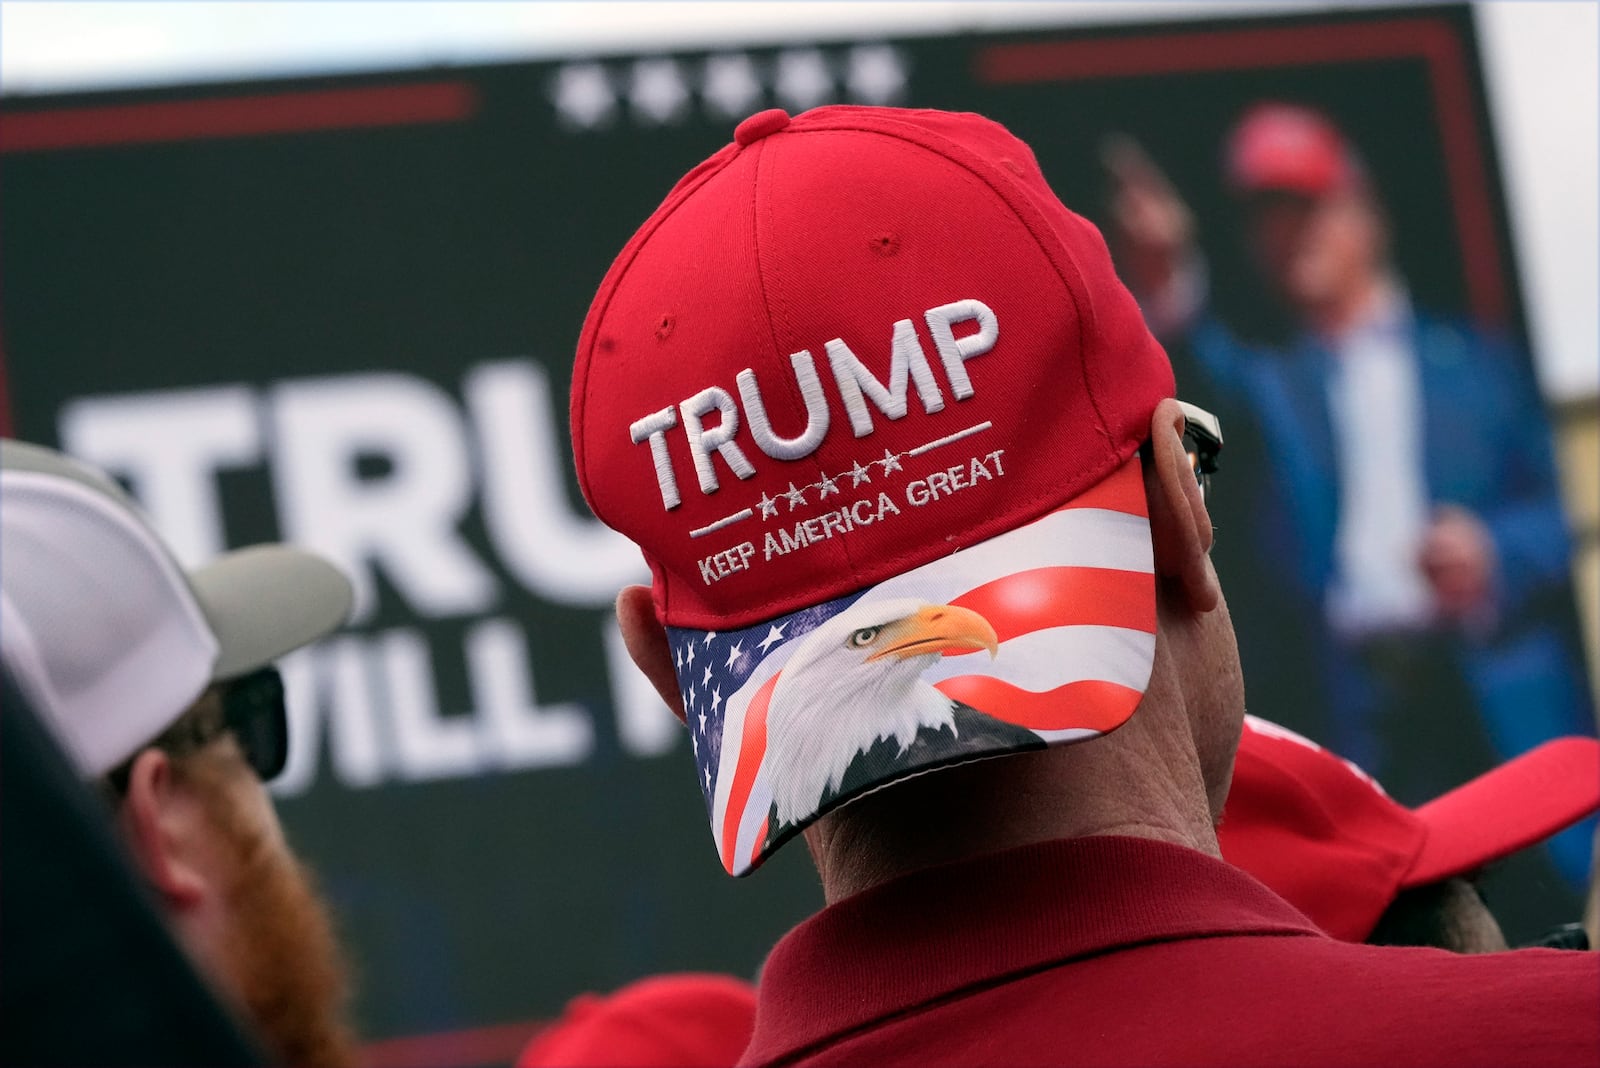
[1042,635]
[268,600]
[1519,803]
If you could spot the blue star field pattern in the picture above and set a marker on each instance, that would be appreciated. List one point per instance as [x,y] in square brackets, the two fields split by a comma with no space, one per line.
[713,665]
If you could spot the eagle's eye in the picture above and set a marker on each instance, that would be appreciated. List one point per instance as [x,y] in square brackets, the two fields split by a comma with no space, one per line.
[864,637]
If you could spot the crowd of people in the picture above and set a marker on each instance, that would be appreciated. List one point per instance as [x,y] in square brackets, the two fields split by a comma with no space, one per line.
[980,662]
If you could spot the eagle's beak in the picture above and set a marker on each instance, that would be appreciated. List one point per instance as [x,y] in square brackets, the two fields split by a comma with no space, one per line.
[937,628]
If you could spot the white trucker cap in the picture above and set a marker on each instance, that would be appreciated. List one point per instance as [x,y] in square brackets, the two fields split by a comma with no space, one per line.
[107,634]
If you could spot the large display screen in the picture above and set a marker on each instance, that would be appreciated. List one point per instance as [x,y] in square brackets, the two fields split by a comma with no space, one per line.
[342,312]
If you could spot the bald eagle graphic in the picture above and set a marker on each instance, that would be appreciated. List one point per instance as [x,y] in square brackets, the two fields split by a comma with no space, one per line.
[851,703]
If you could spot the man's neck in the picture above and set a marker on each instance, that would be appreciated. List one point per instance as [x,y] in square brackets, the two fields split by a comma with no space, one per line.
[1363,302]
[1141,781]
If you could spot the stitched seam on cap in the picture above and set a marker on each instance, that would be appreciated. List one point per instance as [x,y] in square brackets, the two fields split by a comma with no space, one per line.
[1039,505]
[924,142]
[792,388]
[1032,508]
[610,285]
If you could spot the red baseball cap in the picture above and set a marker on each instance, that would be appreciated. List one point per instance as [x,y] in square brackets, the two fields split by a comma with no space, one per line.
[666,1021]
[869,398]
[1282,147]
[1323,835]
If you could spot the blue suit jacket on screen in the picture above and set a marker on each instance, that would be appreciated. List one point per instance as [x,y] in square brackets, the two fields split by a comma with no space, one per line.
[1486,447]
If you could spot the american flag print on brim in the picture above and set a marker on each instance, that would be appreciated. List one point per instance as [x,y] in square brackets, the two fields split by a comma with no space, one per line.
[1043,635]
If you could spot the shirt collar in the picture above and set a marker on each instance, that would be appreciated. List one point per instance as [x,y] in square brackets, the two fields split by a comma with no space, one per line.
[930,934]
[1388,316]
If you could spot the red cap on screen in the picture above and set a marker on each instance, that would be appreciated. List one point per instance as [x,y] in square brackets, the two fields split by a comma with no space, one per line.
[1322,834]
[1281,147]
[666,1021]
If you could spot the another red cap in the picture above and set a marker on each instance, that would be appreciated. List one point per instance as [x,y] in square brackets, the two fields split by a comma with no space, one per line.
[1322,834]
[1281,147]
[845,347]
[666,1021]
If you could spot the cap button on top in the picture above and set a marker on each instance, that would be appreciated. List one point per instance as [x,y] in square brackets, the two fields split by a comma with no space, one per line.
[760,125]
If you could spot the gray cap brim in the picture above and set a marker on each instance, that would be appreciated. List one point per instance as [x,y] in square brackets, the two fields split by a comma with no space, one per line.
[22,456]
[268,600]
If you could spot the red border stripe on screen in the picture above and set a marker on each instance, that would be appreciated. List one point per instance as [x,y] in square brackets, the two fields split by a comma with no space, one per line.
[253,115]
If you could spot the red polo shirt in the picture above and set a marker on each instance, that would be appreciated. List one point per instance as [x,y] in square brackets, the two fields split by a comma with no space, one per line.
[1121,951]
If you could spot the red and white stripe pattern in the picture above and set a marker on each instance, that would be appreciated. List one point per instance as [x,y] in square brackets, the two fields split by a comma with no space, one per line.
[1071,598]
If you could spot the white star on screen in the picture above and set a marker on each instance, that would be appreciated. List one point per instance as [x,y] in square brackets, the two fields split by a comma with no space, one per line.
[796,497]
[731,86]
[733,655]
[859,474]
[890,462]
[827,486]
[690,655]
[583,94]
[803,80]
[656,90]
[706,680]
[769,507]
[706,641]
[660,90]
[716,699]
[774,634]
[702,723]
[876,74]
[708,778]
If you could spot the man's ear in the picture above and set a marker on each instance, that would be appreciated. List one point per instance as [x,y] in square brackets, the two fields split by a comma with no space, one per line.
[1180,526]
[646,640]
[160,823]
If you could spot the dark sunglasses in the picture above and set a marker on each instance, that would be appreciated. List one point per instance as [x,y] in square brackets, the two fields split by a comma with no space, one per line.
[1567,936]
[253,711]
[1202,438]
